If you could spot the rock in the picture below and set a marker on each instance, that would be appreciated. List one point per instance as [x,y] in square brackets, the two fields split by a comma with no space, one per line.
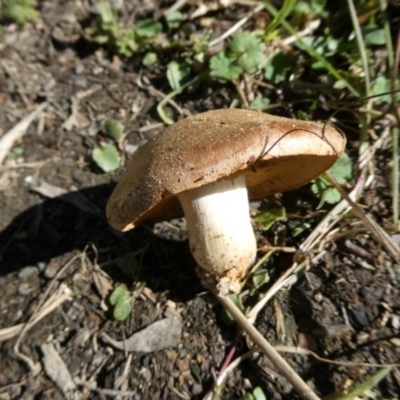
[28,273]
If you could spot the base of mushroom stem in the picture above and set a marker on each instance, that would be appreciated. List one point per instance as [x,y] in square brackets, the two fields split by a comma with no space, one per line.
[230,282]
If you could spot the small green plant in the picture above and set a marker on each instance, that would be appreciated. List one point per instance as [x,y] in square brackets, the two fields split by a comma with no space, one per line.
[237,300]
[256,394]
[266,218]
[113,128]
[174,19]
[126,40]
[121,299]
[177,73]
[244,55]
[342,171]
[277,66]
[259,278]
[149,58]
[20,11]
[106,157]
[14,153]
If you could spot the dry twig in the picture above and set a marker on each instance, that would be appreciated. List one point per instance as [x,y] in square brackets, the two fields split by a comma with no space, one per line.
[31,365]
[19,130]
[273,356]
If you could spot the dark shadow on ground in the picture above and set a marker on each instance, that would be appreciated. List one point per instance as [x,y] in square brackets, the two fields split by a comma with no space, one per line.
[72,221]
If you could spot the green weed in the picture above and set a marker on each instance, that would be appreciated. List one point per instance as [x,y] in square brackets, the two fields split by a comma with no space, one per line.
[123,39]
[19,11]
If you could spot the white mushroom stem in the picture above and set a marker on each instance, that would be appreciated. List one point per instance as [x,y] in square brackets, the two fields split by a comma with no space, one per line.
[219,228]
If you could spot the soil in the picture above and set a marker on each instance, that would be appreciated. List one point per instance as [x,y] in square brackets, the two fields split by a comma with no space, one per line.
[345,307]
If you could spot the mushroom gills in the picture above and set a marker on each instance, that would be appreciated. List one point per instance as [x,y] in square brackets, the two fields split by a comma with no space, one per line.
[219,228]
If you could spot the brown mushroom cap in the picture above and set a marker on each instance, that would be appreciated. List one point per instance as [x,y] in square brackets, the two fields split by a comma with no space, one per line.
[275,154]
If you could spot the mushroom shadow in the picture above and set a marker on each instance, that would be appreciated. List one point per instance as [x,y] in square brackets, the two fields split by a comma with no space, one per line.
[76,219]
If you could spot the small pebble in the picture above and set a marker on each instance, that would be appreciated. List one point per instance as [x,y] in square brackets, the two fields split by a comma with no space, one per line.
[28,273]
[197,389]
[25,289]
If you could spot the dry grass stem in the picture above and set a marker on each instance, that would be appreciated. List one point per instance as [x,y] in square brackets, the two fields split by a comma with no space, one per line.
[8,139]
[273,356]
[30,364]
[380,235]
[56,299]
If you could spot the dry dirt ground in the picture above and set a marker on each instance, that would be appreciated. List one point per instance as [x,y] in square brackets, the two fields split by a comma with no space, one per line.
[346,307]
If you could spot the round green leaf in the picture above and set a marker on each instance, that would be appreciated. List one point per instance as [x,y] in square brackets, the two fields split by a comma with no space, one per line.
[113,128]
[106,157]
[149,59]
[119,293]
[122,309]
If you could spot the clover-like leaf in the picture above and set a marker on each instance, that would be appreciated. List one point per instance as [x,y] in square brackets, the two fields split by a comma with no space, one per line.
[248,50]
[277,66]
[342,171]
[223,67]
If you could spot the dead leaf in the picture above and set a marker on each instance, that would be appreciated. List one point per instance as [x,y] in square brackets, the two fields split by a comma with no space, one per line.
[102,282]
[157,336]
[57,371]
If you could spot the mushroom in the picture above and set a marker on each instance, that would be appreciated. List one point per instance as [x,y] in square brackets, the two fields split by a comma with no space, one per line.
[209,165]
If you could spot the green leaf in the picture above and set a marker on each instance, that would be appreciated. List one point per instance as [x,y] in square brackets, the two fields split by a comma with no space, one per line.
[106,157]
[299,229]
[315,7]
[268,217]
[258,394]
[248,50]
[120,292]
[176,73]
[368,384]
[324,190]
[373,36]
[174,19]
[114,129]
[330,196]
[126,42]
[260,277]
[223,67]
[14,153]
[122,309]
[148,28]
[226,316]
[325,46]
[150,58]
[21,11]
[302,115]
[342,171]
[286,9]
[382,85]
[107,14]
[259,102]
[276,67]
